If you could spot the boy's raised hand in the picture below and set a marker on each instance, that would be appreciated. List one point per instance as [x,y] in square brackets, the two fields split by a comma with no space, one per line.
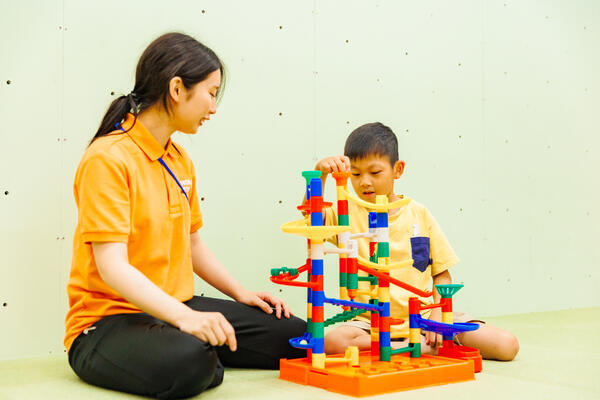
[333,164]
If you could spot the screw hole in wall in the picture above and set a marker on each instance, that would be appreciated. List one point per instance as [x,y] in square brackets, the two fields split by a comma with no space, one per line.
[201,198]
[8,82]
[6,192]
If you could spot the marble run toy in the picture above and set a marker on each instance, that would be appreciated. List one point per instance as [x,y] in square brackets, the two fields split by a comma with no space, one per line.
[382,369]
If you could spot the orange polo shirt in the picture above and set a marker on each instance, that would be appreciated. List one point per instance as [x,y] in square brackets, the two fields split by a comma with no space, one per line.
[123,194]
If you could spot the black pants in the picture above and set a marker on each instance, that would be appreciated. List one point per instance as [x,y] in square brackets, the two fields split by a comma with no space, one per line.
[137,353]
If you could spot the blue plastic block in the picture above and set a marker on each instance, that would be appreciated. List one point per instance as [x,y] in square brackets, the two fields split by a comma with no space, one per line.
[384,338]
[382,220]
[413,321]
[317,267]
[318,345]
[316,219]
[318,298]
[372,219]
[316,187]
[385,312]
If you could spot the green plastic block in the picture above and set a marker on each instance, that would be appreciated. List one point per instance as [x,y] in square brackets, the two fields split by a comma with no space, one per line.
[343,316]
[343,279]
[403,350]
[352,281]
[383,250]
[309,175]
[373,258]
[385,353]
[318,330]
[416,351]
[343,220]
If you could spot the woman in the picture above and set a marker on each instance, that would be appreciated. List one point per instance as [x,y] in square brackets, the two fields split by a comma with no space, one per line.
[134,324]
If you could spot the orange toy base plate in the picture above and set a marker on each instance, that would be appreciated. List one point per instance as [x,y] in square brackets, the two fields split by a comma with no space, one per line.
[373,377]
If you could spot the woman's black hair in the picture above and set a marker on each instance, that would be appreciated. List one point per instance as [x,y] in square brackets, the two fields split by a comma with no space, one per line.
[171,55]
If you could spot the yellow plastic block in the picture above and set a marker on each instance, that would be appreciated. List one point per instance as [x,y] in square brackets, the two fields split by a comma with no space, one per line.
[352,355]
[414,335]
[344,293]
[318,360]
[447,318]
[341,193]
[309,310]
[384,294]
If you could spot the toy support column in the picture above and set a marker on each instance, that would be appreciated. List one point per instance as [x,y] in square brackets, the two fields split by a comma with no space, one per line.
[447,291]
[309,176]
[374,285]
[383,254]
[414,310]
[317,254]
[341,179]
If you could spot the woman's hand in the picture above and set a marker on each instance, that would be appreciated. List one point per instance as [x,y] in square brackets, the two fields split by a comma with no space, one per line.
[265,301]
[210,327]
[333,164]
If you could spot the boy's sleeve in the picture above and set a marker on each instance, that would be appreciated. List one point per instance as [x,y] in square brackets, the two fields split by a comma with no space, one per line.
[102,190]
[195,213]
[441,251]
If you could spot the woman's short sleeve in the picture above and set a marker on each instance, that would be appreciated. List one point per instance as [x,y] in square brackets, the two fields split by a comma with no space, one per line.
[102,194]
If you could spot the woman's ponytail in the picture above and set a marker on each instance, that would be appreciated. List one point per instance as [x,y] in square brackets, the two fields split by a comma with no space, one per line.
[117,111]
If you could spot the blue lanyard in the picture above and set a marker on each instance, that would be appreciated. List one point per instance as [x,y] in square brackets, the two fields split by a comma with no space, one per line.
[118,125]
[174,177]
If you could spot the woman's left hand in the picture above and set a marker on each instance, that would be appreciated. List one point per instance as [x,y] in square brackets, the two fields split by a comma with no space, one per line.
[265,301]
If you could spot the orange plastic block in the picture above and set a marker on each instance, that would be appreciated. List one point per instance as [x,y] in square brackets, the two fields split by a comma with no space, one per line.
[372,377]
[462,353]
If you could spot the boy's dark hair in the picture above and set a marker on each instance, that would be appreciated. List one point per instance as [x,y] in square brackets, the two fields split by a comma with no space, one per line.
[172,54]
[372,139]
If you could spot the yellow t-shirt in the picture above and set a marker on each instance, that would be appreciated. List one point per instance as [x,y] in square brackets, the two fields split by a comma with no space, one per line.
[411,220]
[123,194]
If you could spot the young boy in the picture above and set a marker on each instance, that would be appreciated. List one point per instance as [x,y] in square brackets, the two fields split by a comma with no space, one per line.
[371,155]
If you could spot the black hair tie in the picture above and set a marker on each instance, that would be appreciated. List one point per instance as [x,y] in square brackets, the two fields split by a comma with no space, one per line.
[134,102]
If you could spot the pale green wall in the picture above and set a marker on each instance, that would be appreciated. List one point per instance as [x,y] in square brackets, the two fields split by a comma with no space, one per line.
[495,104]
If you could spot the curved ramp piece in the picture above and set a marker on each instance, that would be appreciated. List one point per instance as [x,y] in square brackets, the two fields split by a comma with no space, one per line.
[445,329]
[376,207]
[302,342]
[317,233]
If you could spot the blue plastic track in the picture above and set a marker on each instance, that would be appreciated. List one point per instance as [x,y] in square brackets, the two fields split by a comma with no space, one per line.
[296,342]
[445,329]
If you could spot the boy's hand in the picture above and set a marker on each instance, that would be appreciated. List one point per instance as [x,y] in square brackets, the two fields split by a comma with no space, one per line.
[333,164]
[433,339]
